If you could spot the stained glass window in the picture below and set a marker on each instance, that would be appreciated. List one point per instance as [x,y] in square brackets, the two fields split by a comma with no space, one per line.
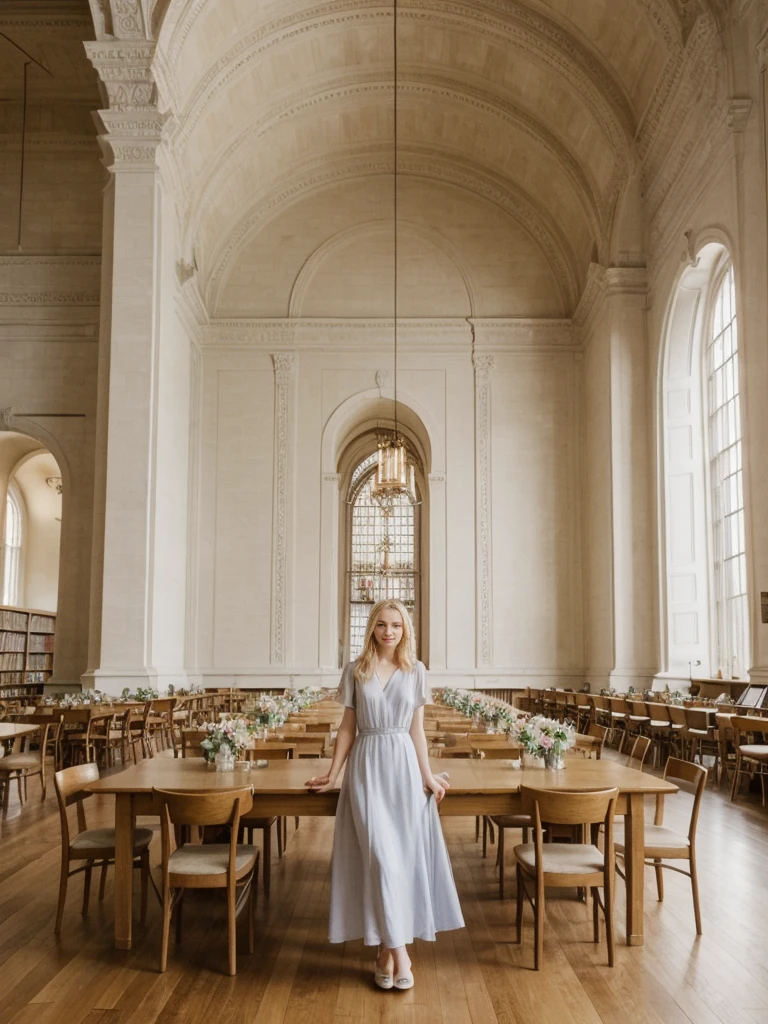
[727,491]
[383,555]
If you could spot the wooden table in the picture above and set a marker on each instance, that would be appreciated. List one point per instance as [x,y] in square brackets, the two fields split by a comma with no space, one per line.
[477,788]
[11,730]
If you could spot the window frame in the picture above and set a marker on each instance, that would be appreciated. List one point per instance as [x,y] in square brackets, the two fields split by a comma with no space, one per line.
[723,646]
[14,501]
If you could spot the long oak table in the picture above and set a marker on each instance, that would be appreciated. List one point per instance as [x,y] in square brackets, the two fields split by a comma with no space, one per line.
[477,788]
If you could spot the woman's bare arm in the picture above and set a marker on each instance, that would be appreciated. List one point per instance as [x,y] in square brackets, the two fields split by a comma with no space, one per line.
[435,786]
[345,737]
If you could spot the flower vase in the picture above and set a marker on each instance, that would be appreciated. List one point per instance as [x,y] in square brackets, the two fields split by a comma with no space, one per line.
[554,760]
[225,759]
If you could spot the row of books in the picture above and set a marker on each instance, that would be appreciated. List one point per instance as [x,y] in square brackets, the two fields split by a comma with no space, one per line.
[42,624]
[12,641]
[12,620]
[39,661]
[39,643]
[11,660]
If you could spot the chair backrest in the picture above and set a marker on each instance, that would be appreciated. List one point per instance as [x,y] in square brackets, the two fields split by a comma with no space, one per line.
[77,716]
[695,718]
[691,778]
[222,807]
[657,712]
[746,726]
[70,784]
[599,732]
[637,755]
[559,807]
[271,752]
[191,742]
[600,702]
[619,705]
[499,753]
[676,714]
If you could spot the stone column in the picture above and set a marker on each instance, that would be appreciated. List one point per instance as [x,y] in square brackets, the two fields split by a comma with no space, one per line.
[483,364]
[634,548]
[282,515]
[328,634]
[130,134]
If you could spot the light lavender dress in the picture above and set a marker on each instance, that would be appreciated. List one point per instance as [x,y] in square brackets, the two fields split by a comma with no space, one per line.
[391,879]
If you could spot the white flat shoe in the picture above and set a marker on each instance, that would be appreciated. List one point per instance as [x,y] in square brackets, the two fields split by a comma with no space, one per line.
[404,981]
[383,979]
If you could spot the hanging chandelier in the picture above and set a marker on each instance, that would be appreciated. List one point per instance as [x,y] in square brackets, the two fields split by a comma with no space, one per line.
[395,473]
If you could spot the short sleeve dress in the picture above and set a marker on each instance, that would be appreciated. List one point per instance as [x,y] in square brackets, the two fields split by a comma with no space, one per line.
[391,878]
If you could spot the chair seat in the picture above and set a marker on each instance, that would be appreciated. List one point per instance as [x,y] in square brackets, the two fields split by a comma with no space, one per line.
[562,858]
[654,723]
[704,733]
[15,762]
[639,718]
[104,839]
[758,751]
[656,837]
[210,859]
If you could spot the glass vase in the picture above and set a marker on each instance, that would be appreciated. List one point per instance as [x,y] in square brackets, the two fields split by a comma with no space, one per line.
[554,760]
[225,759]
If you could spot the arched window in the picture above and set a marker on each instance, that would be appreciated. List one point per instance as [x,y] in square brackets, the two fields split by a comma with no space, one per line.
[383,554]
[14,537]
[730,619]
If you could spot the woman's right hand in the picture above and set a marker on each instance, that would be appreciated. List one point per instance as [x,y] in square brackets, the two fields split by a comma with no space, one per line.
[321,783]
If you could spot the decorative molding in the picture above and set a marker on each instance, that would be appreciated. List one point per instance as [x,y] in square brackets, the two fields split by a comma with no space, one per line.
[184,271]
[421,83]
[422,163]
[10,260]
[483,365]
[688,255]
[284,365]
[49,298]
[626,281]
[739,109]
[508,23]
[762,52]
[382,379]
[332,478]
[6,418]
[593,289]
[436,478]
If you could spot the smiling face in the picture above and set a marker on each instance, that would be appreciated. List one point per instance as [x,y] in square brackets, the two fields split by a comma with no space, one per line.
[388,631]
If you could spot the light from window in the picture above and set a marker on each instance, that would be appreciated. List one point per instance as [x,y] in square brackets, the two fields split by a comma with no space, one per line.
[383,560]
[12,546]
[725,468]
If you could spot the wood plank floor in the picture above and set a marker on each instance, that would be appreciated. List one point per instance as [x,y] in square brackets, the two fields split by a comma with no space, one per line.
[474,976]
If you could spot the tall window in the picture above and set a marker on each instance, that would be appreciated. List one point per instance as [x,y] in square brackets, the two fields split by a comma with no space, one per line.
[383,554]
[727,492]
[14,531]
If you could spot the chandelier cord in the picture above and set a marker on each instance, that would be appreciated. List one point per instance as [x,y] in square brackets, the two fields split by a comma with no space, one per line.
[394,49]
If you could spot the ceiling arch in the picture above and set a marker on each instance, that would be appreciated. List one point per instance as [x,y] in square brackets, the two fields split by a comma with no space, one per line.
[532,105]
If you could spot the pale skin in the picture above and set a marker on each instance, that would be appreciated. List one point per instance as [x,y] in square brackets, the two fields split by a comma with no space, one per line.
[387,633]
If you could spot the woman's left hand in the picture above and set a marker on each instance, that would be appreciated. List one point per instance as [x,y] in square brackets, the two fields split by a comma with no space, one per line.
[436,787]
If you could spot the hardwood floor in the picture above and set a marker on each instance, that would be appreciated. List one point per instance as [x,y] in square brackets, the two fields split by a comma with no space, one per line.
[474,976]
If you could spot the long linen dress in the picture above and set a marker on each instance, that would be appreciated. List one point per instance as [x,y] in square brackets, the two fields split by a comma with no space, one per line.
[391,878]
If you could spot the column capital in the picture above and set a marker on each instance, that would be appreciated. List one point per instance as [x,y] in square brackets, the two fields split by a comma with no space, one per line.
[483,363]
[131,128]
[284,364]
[739,109]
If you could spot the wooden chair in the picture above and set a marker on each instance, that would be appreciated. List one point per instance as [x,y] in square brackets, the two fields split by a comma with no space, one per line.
[751,757]
[269,752]
[209,866]
[600,732]
[191,742]
[26,763]
[580,865]
[703,737]
[659,728]
[91,844]
[637,755]
[664,843]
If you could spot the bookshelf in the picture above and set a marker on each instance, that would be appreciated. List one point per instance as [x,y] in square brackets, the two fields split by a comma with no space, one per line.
[27,639]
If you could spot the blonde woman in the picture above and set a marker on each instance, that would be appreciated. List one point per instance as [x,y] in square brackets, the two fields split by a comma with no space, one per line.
[391,879]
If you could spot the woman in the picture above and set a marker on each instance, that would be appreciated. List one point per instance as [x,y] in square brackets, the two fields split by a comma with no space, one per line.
[391,879]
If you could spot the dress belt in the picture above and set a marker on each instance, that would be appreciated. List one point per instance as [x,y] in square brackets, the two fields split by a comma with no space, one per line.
[389,731]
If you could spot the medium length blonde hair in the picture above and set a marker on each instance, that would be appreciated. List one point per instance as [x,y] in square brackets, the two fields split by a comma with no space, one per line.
[405,657]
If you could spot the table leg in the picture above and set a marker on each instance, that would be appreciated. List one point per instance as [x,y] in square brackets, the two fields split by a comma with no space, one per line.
[634,861]
[124,824]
